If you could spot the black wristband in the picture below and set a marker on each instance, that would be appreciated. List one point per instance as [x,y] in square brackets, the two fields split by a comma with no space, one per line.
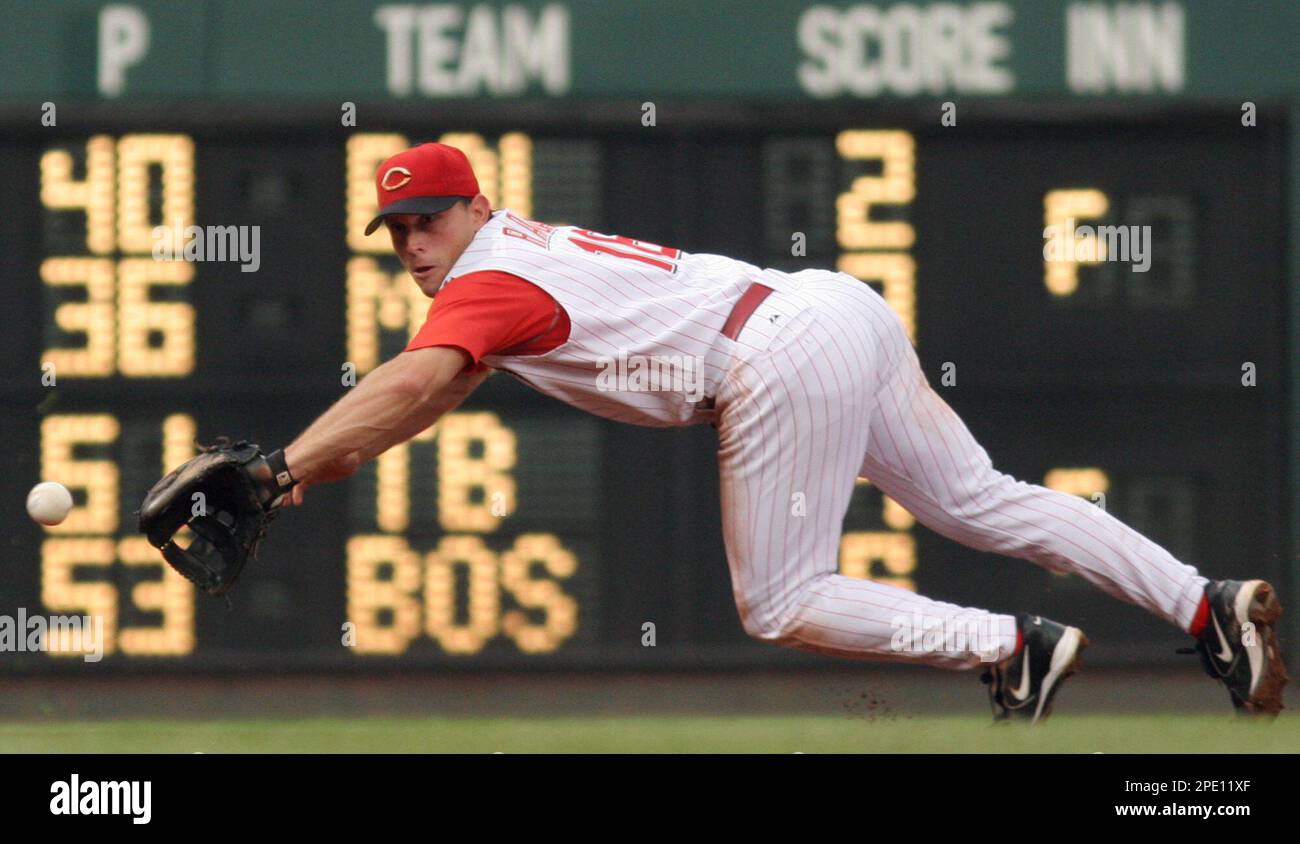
[280,470]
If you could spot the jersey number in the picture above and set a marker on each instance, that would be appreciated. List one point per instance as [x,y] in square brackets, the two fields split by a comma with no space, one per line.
[617,246]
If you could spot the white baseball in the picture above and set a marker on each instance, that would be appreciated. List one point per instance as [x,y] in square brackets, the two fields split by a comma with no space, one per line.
[49,502]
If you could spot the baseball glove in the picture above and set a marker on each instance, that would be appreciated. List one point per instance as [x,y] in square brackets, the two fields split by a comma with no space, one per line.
[228,494]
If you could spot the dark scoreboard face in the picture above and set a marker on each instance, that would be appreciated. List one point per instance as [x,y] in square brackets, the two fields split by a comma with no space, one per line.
[1143,373]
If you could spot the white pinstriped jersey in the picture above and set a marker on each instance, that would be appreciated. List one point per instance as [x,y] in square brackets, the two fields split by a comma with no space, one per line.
[819,388]
[649,313]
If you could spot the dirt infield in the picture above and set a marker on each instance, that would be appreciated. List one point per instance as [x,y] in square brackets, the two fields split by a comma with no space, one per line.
[866,693]
[1076,734]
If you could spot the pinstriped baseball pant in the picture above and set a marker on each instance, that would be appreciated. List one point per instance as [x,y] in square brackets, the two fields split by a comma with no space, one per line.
[825,387]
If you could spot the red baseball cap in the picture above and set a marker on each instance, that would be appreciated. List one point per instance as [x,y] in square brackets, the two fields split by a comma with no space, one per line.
[422,180]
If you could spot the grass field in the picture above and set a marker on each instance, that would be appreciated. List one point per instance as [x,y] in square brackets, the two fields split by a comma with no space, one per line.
[1063,734]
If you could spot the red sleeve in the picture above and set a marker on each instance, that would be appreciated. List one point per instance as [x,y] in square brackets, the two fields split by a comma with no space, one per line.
[492,312]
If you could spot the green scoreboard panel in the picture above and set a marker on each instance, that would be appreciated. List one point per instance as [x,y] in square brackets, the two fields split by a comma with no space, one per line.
[519,532]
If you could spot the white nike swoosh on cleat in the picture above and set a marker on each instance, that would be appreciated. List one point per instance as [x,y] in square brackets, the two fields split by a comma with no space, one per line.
[1064,654]
[1255,652]
[1022,692]
[1225,651]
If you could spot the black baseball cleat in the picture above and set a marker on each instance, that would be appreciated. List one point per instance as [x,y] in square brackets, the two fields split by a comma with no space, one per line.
[1239,644]
[1022,685]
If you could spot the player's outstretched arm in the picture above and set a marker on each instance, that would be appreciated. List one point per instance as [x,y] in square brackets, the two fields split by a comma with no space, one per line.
[393,403]
[447,400]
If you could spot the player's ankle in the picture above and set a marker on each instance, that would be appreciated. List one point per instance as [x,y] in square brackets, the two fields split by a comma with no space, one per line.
[1201,618]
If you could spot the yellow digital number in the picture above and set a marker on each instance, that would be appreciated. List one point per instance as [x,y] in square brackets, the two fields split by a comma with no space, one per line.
[62,591]
[896,185]
[858,232]
[172,595]
[95,317]
[178,433]
[60,434]
[118,317]
[173,155]
[93,195]
[139,318]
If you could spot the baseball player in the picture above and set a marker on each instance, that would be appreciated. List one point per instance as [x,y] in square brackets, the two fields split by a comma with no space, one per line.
[811,383]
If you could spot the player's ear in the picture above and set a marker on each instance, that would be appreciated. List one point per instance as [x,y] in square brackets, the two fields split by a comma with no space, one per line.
[480,208]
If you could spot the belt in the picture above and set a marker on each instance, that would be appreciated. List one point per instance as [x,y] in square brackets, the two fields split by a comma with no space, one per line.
[744,309]
[740,312]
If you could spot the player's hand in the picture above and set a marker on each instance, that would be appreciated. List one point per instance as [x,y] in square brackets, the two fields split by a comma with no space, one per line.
[293,498]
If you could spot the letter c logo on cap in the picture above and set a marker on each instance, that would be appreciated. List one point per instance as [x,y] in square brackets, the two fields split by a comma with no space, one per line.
[403,176]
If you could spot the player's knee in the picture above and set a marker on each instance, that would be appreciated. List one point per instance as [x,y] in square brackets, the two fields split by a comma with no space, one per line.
[764,629]
[769,624]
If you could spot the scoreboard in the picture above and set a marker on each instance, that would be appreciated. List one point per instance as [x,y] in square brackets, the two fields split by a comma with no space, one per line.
[176,274]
